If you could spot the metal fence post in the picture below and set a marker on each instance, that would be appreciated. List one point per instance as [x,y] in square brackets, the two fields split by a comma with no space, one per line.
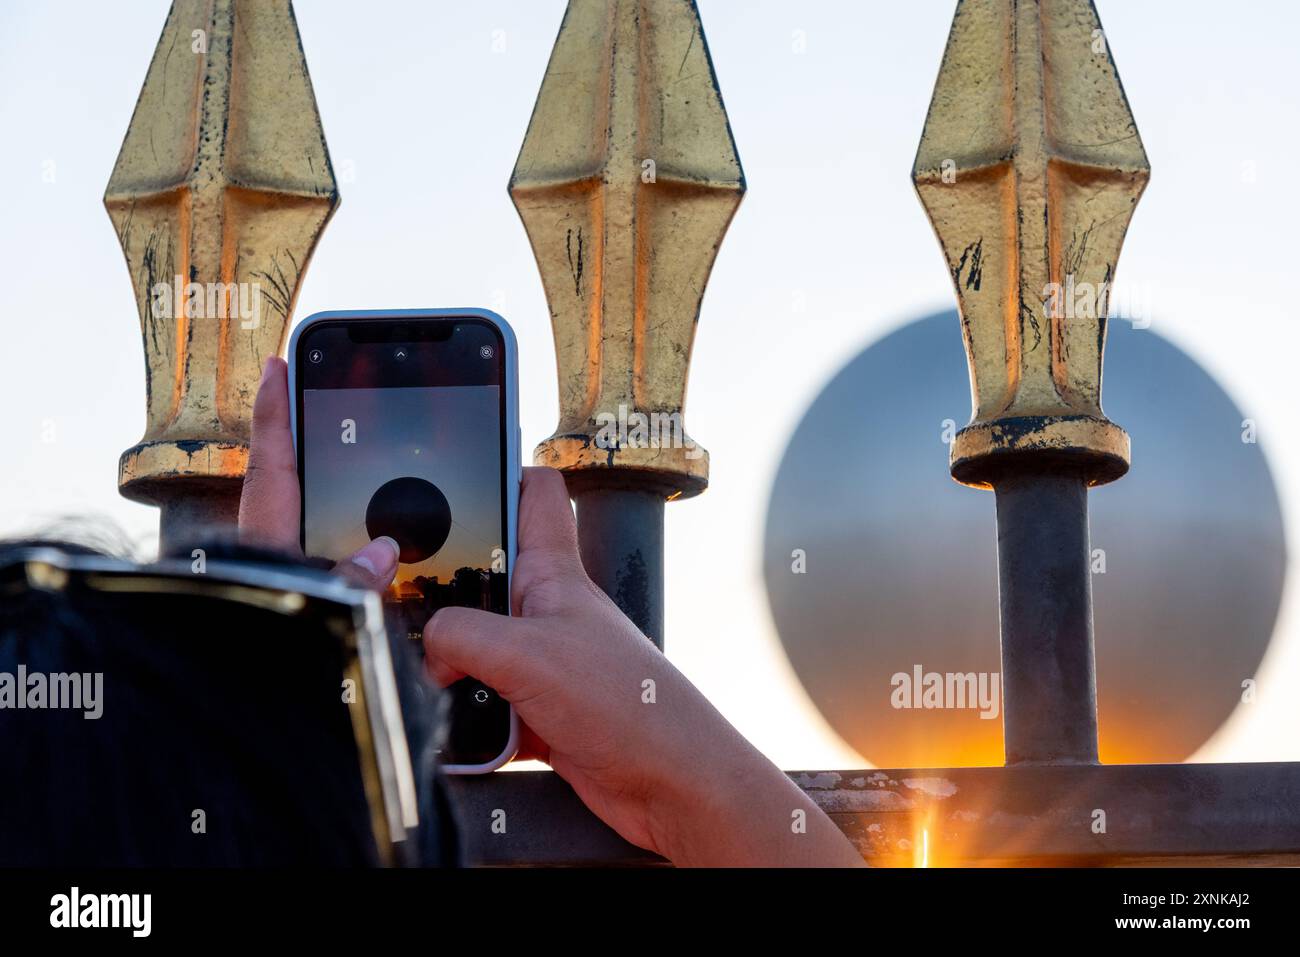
[220,192]
[626,182]
[1029,168]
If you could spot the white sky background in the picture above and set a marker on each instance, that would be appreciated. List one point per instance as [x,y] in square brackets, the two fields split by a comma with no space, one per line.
[424,121]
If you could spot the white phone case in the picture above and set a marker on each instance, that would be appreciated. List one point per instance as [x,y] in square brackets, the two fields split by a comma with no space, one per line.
[514,465]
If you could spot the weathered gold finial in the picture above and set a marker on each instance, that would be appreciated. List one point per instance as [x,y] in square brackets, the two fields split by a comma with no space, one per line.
[1029,168]
[220,193]
[626,183]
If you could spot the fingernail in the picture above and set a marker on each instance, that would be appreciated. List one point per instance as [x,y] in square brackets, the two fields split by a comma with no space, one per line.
[266,367]
[379,557]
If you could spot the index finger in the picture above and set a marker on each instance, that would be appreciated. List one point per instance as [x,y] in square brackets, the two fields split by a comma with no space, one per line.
[270,500]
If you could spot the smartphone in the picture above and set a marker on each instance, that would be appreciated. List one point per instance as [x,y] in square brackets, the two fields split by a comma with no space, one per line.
[406,424]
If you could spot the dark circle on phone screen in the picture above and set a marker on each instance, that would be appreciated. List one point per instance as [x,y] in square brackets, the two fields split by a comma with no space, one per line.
[414,513]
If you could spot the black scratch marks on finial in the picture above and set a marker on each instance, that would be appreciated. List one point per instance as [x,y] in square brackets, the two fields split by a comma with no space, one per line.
[1076,252]
[575,263]
[282,287]
[1027,313]
[974,256]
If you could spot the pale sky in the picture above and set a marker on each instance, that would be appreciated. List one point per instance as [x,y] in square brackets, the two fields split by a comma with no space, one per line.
[425,106]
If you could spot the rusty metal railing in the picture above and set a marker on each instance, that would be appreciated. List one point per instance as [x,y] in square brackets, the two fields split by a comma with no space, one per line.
[626,183]
[1029,167]
[1030,176]
[221,190]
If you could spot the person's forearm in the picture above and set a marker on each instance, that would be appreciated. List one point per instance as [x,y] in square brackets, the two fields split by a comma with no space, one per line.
[750,814]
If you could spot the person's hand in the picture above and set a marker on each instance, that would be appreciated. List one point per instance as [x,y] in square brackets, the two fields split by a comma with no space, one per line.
[269,505]
[641,746]
[671,776]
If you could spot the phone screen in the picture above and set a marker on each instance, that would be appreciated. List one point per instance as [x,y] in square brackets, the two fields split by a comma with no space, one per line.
[402,433]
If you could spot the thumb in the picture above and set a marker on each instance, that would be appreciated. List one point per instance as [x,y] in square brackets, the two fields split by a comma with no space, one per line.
[373,567]
[546,523]
[499,651]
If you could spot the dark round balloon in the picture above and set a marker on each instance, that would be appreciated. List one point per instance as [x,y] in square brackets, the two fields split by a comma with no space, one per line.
[412,512]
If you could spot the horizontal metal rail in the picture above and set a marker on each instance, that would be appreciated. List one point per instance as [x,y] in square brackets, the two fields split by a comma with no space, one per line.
[1016,816]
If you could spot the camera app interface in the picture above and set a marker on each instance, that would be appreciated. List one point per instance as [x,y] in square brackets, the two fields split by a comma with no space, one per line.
[401,435]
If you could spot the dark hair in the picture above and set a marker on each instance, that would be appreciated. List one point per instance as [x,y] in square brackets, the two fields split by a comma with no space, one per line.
[223,736]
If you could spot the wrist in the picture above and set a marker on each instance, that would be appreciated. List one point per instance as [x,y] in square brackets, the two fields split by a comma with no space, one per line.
[700,817]
[713,800]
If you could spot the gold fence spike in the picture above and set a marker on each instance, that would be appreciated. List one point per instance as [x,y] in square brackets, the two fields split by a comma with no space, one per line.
[220,193]
[626,182]
[1029,168]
